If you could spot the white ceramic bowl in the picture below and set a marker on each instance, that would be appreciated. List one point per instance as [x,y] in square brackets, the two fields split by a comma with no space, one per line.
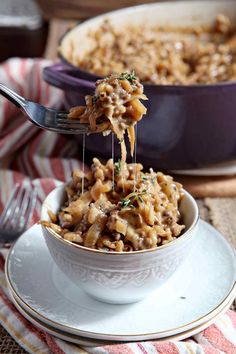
[124,277]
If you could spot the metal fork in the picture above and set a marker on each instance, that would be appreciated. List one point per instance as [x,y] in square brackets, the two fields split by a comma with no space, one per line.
[17,213]
[43,117]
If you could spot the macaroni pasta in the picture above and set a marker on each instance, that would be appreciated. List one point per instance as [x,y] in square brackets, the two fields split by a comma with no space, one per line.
[115,107]
[162,55]
[137,212]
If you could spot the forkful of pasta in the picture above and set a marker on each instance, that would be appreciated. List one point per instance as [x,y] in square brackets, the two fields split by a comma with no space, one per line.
[115,107]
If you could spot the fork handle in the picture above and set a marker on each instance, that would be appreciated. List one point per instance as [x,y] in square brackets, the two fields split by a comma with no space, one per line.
[12,96]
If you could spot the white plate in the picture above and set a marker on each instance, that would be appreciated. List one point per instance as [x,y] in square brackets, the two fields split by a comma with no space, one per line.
[198,291]
[96,342]
[220,169]
[56,332]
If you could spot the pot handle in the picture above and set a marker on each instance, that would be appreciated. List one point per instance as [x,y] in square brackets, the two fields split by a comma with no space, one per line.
[65,78]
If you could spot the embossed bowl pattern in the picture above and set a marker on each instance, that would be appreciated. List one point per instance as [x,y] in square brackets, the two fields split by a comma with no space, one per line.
[119,277]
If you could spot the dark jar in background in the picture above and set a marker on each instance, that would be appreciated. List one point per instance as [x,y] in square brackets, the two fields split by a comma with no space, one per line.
[23,32]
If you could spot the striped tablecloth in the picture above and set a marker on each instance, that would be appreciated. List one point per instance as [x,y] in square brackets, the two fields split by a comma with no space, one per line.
[42,157]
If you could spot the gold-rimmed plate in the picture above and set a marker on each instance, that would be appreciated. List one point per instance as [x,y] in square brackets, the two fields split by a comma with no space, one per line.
[193,296]
[83,341]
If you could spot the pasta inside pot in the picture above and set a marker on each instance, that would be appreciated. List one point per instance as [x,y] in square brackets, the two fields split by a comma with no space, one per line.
[165,55]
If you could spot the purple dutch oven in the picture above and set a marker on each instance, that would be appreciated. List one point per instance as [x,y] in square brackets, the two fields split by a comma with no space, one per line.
[186,126]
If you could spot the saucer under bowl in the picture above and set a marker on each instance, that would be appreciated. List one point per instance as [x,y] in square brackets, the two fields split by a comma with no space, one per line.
[196,294]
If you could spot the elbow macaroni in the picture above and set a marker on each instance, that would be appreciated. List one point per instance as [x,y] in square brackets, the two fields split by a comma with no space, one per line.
[115,107]
[162,55]
[117,207]
[116,218]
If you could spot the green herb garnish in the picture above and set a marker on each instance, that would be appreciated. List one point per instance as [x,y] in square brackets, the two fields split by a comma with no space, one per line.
[94,99]
[128,76]
[125,203]
[153,179]
[118,167]
[140,198]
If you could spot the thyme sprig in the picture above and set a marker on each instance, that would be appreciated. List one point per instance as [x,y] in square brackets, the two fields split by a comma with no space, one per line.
[128,76]
[118,167]
[95,99]
[127,202]
[152,179]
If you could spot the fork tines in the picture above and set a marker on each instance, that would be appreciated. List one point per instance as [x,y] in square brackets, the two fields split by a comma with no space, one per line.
[18,211]
[72,124]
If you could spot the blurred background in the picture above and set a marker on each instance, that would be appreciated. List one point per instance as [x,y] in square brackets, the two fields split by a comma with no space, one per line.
[31,28]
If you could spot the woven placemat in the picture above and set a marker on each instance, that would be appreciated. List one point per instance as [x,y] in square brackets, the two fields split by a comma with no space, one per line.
[8,345]
[220,212]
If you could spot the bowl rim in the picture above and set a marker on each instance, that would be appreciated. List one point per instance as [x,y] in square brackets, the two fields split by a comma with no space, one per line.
[179,239]
[178,87]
